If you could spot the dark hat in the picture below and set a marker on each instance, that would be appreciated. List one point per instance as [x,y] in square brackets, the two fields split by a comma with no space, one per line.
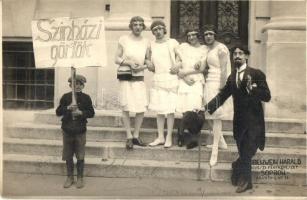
[157,23]
[79,78]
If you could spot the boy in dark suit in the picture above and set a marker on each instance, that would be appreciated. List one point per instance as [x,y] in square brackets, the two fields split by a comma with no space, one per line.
[249,89]
[74,129]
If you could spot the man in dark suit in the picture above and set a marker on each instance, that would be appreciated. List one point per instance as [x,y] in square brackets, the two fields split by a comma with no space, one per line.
[249,89]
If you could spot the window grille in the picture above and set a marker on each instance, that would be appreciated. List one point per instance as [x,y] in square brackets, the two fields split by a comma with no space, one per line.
[24,86]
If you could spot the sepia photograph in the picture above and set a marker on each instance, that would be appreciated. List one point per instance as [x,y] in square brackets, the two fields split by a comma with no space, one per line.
[153,99]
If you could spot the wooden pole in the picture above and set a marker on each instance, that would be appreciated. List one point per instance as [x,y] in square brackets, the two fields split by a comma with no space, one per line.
[199,155]
[73,88]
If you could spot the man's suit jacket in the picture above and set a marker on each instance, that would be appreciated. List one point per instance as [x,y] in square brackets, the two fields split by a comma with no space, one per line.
[248,112]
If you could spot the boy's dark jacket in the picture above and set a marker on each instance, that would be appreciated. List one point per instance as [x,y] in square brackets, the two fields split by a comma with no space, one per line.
[78,125]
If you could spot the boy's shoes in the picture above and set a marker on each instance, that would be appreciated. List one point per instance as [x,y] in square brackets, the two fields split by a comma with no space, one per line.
[138,141]
[69,181]
[129,144]
[80,182]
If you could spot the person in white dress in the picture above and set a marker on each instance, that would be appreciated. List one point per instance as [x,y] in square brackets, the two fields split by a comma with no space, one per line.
[133,51]
[219,68]
[191,83]
[163,94]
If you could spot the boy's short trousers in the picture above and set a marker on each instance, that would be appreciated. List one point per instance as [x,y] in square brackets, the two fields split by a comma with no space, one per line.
[73,144]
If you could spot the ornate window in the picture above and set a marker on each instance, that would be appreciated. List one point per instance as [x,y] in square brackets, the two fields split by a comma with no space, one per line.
[189,15]
[230,18]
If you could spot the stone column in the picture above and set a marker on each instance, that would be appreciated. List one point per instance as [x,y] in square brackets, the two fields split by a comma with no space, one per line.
[286,60]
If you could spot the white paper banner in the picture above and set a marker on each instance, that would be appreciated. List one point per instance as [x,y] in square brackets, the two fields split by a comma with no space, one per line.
[66,42]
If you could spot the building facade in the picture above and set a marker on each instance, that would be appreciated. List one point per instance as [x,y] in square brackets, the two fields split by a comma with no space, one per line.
[275,32]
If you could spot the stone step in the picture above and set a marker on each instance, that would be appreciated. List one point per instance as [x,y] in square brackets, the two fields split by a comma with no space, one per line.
[112,118]
[116,150]
[50,131]
[34,164]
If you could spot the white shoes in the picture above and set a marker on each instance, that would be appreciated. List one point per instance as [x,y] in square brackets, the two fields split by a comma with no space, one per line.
[213,158]
[168,142]
[157,142]
[222,143]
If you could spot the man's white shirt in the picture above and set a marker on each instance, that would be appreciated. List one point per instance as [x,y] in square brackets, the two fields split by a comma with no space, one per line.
[239,71]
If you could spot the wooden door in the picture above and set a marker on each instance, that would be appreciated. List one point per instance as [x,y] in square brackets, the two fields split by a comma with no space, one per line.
[230,18]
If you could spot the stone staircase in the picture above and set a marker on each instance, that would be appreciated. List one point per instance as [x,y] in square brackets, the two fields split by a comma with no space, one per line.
[36,146]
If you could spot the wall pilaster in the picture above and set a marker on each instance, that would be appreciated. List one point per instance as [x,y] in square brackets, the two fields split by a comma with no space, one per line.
[286,59]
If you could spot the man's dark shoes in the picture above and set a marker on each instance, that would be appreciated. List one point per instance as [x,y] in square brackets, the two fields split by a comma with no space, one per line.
[129,144]
[69,181]
[138,141]
[243,187]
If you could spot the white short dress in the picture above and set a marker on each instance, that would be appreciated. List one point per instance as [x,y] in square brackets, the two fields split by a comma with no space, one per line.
[163,94]
[132,94]
[214,78]
[191,97]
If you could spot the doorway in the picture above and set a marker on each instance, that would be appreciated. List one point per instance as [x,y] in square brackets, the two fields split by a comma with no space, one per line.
[229,17]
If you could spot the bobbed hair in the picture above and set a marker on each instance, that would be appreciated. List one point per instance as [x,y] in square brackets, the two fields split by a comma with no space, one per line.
[192,30]
[136,19]
[209,27]
[158,23]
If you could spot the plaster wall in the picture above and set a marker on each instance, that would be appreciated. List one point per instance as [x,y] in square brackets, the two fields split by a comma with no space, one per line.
[286,73]
[286,59]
